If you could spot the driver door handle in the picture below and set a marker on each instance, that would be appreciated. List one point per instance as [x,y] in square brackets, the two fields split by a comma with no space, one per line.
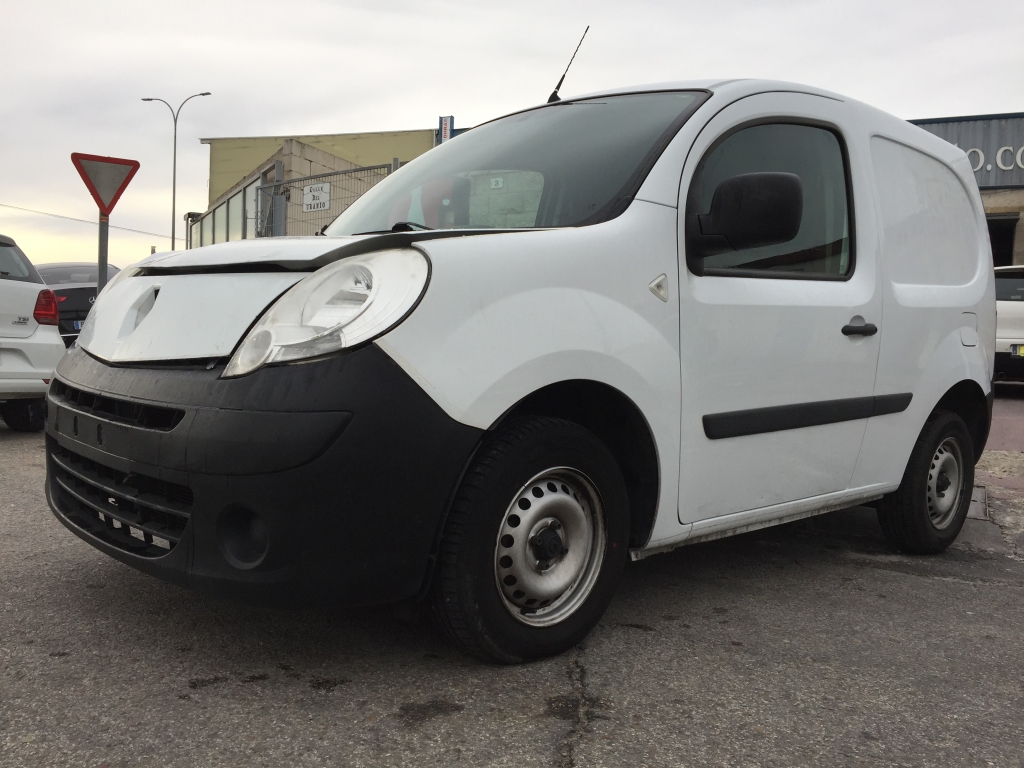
[868,329]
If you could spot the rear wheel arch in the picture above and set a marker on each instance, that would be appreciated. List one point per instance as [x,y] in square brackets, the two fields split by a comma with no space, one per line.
[617,421]
[967,399]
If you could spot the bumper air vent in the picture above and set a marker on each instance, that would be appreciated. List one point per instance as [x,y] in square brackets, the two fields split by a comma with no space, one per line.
[116,409]
[135,513]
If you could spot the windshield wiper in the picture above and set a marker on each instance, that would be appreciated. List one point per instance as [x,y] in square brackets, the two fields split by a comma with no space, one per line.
[398,226]
[407,226]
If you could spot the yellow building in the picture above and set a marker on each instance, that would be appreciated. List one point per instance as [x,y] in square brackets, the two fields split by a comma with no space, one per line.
[294,185]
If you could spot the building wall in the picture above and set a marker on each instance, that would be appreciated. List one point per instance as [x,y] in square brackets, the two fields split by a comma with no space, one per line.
[233,159]
[297,160]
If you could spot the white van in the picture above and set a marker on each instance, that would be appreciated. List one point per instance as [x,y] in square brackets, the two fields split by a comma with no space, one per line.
[1009,364]
[592,330]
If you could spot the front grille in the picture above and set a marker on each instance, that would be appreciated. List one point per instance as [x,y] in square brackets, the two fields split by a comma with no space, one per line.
[137,513]
[116,409]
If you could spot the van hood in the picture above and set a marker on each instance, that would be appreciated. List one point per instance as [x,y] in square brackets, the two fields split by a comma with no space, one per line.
[289,253]
[198,304]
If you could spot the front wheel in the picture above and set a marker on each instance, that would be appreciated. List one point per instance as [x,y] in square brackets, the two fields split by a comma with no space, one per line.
[925,514]
[535,543]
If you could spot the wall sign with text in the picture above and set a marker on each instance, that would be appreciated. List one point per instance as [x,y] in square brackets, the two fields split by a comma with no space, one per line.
[316,197]
[994,144]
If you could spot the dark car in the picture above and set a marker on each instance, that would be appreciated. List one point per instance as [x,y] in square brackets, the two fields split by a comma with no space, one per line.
[74,282]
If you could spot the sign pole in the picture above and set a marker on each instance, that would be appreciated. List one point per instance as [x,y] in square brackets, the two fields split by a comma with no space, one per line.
[101,278]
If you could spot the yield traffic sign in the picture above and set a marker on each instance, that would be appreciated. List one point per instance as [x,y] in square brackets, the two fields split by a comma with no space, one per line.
[105,177]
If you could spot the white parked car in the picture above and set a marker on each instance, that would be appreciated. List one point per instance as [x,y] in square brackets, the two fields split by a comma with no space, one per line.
[1009,324]
[592,330]
[30,345]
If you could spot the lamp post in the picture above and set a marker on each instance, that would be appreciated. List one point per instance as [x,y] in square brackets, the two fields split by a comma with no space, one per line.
[174,172]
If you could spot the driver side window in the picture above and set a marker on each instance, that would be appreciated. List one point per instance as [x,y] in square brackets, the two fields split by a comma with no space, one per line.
[819,244]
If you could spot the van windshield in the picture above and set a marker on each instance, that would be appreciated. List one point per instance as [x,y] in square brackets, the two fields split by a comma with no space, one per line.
[565,164]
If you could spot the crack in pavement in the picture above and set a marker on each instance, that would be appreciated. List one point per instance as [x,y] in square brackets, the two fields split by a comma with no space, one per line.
[1002,473]
[890,568]
[581,703]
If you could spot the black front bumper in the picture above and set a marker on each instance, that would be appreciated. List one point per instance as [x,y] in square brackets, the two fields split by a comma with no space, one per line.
[327,481]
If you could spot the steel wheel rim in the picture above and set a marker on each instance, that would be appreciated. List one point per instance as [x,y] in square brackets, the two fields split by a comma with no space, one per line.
[558,502]
[945,483]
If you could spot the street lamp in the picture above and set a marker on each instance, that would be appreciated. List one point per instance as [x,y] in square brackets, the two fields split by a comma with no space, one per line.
[174,172]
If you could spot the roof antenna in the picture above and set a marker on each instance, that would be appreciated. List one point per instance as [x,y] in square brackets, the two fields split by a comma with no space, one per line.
[554,94]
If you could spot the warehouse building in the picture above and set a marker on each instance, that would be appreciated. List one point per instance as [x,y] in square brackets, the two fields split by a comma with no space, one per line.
[995,147]
[295,185]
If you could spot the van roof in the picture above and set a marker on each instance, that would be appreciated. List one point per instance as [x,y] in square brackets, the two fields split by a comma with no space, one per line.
[751,85]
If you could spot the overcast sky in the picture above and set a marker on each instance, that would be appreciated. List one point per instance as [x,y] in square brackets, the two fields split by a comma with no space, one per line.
[75,71]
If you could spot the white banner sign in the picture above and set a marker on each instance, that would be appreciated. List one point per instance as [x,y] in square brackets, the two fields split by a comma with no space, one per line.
[316,197]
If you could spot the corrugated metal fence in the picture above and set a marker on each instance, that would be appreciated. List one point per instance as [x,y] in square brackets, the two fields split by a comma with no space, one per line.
[306,205]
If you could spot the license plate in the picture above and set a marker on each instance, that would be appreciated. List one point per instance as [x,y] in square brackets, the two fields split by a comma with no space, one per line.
[78,324]
[1017,350]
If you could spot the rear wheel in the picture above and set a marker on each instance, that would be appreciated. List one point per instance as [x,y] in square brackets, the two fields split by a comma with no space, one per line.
[24,415]
[534,545]
[925,514]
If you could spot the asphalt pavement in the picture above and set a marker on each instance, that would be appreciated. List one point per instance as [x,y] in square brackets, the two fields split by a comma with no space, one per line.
[810,644]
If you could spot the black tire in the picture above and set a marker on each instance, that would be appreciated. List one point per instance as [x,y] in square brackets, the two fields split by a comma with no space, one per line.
[918,517]
[511,469]
[24,415]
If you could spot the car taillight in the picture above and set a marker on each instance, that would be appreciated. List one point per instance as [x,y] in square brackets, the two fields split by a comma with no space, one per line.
[46,308]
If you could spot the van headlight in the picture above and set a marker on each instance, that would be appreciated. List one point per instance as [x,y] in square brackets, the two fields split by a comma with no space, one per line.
[339,306]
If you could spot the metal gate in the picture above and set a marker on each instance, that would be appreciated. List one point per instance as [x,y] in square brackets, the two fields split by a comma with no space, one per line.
[306,205]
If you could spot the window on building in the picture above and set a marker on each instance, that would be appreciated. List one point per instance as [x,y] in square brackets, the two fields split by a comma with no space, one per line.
[1001,231]
[220,223]
[196,234]
[207,229]
[235,217]
[250,209]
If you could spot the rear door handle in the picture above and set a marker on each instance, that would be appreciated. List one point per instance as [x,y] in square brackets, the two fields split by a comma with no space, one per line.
[868,329]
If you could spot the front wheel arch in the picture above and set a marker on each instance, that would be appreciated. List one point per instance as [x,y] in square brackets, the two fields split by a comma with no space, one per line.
[620,424]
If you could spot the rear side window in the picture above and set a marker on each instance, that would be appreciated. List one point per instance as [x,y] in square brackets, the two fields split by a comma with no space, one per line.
[930,230]
[1010,286]
[822,247]
[15,266]
[70,274]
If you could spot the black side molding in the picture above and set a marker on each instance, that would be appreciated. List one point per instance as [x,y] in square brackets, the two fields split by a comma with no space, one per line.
[781,417]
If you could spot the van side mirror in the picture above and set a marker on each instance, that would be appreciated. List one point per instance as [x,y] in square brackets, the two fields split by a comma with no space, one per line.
[747,211]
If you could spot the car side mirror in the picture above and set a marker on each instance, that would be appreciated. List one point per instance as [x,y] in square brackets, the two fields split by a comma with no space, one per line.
[747,211]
